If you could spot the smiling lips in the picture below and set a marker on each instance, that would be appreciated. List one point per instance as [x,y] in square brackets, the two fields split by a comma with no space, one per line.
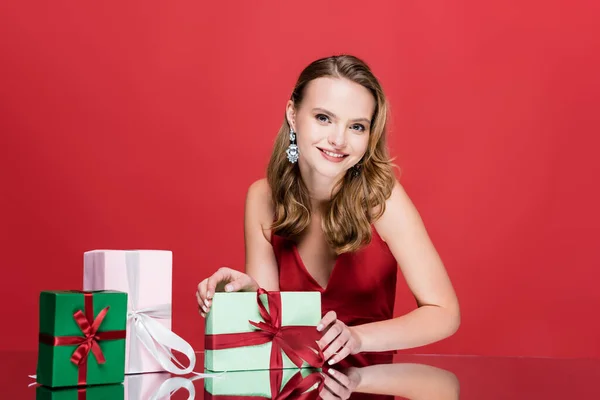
[333,156]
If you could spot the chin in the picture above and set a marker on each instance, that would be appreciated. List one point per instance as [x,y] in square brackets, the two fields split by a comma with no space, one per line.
[331,171]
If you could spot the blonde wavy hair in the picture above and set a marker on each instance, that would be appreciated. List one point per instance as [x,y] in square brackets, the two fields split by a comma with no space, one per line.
[359,198]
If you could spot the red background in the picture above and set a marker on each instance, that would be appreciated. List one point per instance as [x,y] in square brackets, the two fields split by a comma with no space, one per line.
[141,125]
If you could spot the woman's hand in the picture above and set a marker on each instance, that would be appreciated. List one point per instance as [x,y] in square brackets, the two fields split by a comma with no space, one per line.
[339,385]
[225,279]
[338,340]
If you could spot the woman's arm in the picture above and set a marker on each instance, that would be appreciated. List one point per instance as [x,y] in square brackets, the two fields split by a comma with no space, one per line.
[407,380]
[261,266]
[411,381]
[260,258]
[438,314]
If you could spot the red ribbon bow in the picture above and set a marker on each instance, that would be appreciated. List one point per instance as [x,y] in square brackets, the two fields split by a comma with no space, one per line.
[297,386]
[299,343]
[89,341]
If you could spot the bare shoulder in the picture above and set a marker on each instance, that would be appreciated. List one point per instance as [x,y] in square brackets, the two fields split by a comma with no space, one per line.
[259,206]
[399,212]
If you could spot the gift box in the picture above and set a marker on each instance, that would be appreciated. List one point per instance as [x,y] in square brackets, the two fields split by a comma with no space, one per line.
[146,275]
[263,330]
[82,338]
[304,384]
[99,392]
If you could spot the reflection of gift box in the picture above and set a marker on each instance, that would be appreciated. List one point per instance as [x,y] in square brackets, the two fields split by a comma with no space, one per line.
[144,386]
[82,338]
[265,384]
[158,386]
[99,392]
[263,330]
[146,275]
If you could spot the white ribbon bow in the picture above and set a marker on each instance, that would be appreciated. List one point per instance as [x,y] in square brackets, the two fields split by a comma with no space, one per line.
[158,340]
[171,385]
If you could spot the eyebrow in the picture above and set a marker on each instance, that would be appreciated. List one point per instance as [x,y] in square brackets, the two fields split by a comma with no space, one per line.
[367,120]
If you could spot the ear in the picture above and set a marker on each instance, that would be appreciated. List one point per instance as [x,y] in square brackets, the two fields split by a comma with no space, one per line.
[290,113]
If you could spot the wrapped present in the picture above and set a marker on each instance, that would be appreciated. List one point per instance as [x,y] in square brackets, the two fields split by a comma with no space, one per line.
[99,392]
[291,384]
[82,338]
[263,330]
[146,275]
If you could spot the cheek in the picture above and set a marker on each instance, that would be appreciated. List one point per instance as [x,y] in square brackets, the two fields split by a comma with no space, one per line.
[360,144]
[312,134]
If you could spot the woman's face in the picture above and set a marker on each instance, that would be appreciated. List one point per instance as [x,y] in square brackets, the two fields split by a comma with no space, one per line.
[332,125]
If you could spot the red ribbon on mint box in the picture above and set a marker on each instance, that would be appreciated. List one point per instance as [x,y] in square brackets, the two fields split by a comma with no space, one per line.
[88,342]
[295,389]
[299,343]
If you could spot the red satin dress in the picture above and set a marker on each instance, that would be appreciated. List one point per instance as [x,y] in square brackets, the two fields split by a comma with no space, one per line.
[361,287]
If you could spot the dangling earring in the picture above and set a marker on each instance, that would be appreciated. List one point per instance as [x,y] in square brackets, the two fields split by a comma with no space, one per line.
[356,170]
[292,151]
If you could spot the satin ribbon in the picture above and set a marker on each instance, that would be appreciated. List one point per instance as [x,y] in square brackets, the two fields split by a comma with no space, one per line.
[299,343]
[295,389]
[88,342]
[144,327]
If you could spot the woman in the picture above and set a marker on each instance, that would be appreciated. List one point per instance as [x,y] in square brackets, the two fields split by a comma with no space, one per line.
[330,216]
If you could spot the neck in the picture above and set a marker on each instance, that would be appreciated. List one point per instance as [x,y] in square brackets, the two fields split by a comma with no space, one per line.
[320,188]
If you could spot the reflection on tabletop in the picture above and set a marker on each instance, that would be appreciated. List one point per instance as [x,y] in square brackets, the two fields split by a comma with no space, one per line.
[409,377]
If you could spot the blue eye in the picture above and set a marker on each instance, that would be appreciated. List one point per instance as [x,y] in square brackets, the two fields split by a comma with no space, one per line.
[360,127]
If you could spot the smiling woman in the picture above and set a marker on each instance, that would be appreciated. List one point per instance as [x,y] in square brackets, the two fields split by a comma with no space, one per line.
[338,113]
[331,217]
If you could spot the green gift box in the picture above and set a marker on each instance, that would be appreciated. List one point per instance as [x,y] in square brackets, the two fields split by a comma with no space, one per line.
[98,392]
[265,384]
[82,338]
[263,330]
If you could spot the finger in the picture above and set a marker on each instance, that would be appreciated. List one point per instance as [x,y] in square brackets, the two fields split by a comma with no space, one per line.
[201,305]
[336,388]
[238,284]
[337,344]
[326,392]
[327,320]
[201,293]
[222,274]
[343,353]
[342,378]
[204,308]
[329,336]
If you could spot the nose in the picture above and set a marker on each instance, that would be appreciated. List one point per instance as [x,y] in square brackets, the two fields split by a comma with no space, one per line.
[337,137]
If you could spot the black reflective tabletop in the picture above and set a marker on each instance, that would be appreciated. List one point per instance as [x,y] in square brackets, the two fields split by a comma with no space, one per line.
[410,376]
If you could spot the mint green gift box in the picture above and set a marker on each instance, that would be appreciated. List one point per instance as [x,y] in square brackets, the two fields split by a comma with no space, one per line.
[231,313]
[252,383]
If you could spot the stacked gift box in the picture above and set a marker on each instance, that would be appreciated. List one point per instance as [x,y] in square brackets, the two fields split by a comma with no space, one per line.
[119,324]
